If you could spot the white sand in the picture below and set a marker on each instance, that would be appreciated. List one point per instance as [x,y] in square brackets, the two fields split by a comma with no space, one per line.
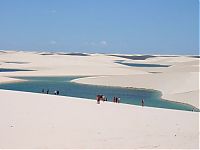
[9,80]
[30,120]
[179,82]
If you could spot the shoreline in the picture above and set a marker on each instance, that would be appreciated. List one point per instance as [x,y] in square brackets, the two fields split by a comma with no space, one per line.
[103,81]
[36,120]
[177,83]
[22,80]
[7,80]
[141,88]
[101,102]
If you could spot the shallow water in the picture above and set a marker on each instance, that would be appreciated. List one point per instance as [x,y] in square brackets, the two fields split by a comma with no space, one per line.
[67,88]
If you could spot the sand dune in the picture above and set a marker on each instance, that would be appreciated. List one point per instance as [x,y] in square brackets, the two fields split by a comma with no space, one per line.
[30,120]
[179,82]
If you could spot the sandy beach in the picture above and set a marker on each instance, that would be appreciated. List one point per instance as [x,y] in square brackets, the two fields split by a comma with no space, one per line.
[30,120]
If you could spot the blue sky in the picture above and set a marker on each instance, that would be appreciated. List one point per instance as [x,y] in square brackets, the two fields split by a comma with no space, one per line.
[104,26]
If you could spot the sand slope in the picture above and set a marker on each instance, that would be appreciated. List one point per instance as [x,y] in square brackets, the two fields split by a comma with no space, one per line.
[30,120]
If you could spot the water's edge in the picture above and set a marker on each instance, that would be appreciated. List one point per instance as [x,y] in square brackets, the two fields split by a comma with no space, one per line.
[195,108]
[78,77]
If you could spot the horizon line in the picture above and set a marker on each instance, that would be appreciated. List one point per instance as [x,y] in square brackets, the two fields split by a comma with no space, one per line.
[78,52]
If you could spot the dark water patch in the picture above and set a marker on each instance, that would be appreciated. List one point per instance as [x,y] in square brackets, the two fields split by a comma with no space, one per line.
[46,54]
[141,65]
[142,57]
[74,54]
[13,70]
[16,62]
[132,96]
[195,56]
[71,54]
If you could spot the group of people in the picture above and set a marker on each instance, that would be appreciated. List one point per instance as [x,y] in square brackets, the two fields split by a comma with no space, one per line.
[116,99]
[56,92]
[101,97]
[104,98]
[47,92]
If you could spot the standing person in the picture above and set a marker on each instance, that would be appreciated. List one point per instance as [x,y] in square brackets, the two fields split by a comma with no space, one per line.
[118,100]
[48,91]
[142,102]
[114,99]
[98,99]
[103,97]
[56,92]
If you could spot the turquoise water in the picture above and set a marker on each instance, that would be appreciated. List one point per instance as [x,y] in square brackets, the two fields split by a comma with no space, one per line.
[66,88]
[141,65]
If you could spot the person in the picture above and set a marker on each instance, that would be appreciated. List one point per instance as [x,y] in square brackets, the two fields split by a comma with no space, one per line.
[55,92]
[103,97]
[114,99]
[106,99]
[48,91]
[58,92]
[118,100]
[142,102]
[98,99]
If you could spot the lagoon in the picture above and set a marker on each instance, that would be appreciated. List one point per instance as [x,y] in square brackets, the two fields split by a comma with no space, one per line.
[132,96]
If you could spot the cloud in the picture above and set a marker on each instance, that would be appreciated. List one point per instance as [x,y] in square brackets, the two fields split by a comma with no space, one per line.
[53,42]
[104,43]
[100,43]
